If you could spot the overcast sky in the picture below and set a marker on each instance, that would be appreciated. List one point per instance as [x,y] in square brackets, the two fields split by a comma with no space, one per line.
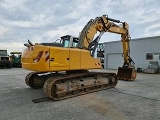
[47,20]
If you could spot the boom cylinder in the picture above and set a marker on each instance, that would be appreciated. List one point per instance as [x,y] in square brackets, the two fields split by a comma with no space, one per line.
[114,20]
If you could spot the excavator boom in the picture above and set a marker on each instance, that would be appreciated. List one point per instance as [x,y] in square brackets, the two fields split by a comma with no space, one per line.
[105,24]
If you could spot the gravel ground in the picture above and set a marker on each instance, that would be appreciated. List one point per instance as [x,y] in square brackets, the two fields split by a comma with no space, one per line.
[136,100]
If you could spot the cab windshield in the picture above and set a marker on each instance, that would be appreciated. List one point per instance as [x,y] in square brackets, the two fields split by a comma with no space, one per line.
[66,42]
[3,52]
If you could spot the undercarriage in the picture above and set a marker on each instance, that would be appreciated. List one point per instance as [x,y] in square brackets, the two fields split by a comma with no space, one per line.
[58,86]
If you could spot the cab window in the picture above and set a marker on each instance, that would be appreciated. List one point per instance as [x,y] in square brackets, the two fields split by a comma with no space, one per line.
[66,43]
[75,42]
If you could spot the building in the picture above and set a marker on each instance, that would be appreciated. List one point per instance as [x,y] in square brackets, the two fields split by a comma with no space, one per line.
[142,50]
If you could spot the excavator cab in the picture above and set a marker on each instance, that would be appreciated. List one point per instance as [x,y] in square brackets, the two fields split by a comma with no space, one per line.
[69,41]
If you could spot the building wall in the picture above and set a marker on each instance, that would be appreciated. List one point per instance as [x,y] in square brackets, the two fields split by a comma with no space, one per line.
[138,49]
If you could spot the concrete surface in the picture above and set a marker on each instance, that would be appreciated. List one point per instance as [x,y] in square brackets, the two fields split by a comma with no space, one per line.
[137,100]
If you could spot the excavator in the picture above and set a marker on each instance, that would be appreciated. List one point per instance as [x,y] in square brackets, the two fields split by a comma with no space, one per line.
[64,68]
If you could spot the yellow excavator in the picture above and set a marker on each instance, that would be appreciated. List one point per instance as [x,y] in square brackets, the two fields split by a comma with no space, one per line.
[63,67]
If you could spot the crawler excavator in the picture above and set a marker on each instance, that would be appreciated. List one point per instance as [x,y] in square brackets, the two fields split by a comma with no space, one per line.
[63,68]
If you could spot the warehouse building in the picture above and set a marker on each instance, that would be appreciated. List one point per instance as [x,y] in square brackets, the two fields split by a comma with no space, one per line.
[142,51]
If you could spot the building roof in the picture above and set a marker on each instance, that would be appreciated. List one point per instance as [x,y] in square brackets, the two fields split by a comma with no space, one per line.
[144,38]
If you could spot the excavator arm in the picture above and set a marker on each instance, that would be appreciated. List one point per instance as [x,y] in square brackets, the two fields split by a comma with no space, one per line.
[105,24]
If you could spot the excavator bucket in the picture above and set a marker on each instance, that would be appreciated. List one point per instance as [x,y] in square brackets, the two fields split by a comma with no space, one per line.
[128,74]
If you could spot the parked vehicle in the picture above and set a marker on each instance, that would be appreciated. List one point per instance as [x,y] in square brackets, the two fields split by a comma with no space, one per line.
[5,60]
[16,59]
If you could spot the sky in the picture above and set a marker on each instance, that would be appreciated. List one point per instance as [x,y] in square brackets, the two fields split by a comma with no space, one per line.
[48,20]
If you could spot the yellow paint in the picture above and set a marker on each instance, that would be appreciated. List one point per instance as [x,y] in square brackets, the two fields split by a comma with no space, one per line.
[61,59]
[74,58]
[28,57]
[88,62]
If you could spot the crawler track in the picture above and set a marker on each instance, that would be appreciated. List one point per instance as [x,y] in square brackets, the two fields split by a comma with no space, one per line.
[34,81]
[66,86]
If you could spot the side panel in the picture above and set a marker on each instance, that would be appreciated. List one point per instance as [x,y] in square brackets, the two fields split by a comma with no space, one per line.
[59,59]
[74,59]
[30,58]
[88,62]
